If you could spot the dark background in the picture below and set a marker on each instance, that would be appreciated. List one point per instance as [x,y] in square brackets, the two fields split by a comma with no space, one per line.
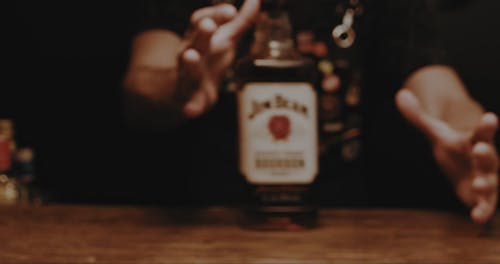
[65,63]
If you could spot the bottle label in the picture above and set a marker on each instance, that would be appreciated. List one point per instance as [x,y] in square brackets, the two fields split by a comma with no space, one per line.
[278,133]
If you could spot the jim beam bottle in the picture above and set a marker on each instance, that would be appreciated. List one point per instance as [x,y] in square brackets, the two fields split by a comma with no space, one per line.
[277,124]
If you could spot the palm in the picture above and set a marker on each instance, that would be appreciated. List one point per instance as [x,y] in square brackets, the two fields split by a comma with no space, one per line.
[468,158]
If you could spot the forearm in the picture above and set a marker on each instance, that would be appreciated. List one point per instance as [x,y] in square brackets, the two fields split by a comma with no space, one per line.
[443,95]
[150,86]
[149,99]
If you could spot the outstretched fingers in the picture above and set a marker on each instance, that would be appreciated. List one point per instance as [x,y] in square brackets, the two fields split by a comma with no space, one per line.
[229,33]
[485,182]
[215,32]
[221,14]
[484,159]
[205,29]
[486,129]
[484,210]
[190,74]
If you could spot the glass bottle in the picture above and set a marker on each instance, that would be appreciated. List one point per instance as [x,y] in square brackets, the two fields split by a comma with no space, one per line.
[277,113]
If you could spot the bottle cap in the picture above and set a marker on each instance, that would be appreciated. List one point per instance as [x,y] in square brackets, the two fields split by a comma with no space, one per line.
[6,128]
[25,155]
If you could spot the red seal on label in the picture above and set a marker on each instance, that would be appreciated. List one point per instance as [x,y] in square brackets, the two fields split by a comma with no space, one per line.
[279,126]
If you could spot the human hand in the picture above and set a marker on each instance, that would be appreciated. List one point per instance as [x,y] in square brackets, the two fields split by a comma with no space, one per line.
[469,158]
[208,51]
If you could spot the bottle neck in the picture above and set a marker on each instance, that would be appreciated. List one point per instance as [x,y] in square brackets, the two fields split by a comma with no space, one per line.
[273,36]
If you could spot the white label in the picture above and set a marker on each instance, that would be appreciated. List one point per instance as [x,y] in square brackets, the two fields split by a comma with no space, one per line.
[278,133]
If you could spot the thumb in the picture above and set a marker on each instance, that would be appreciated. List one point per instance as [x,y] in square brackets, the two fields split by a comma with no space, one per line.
[411,109]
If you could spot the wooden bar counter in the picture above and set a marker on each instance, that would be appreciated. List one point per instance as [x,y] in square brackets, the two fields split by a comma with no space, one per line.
[92,234]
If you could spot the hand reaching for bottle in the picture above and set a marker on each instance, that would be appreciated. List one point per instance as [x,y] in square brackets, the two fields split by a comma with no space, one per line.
[210,50]
[468,157]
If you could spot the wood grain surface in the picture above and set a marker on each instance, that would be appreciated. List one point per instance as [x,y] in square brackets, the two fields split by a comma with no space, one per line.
[91,234]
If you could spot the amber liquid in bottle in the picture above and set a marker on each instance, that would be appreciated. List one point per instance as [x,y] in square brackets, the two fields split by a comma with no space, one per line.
[277,126]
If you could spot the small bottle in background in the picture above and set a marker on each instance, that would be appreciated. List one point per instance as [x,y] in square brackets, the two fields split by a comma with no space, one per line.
[9,188]
[25,174]
[17,174]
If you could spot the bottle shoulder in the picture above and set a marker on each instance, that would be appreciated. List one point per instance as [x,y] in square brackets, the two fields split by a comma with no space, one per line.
[298,69]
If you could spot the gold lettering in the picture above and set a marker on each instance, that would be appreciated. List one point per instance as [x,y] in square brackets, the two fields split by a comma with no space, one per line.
[258,108]
[279,102]
[279,163]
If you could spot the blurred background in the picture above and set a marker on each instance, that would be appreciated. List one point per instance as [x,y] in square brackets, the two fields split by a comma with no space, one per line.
[64,63]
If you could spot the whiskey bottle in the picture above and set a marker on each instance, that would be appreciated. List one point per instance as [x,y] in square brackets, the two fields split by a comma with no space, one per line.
[277,113]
